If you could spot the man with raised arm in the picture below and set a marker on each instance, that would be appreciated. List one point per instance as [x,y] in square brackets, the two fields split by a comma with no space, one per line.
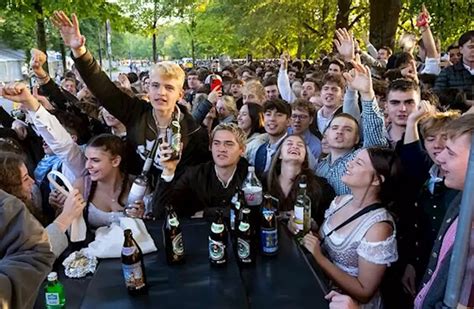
[145,121]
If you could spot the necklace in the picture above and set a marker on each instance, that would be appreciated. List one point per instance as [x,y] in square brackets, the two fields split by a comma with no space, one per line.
[157,123]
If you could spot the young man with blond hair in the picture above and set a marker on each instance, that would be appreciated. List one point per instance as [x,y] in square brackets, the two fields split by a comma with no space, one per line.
[145,121]
[454,161]
[208,186]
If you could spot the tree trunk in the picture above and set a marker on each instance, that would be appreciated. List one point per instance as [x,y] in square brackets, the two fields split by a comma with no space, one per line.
[155,58]
[384,16]
[155,21]
[343,10]
[40,30]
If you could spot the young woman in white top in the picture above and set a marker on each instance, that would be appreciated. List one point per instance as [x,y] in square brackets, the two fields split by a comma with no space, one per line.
[358,253]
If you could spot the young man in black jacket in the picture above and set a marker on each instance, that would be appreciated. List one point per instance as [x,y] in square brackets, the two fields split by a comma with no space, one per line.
[208,186]
[145,121]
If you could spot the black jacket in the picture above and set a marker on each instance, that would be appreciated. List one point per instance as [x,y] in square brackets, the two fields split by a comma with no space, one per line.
[136,115]
[198,189]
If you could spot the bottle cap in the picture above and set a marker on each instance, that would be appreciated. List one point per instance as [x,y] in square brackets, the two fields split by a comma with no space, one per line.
[302,185]
[53,276]
[127,231]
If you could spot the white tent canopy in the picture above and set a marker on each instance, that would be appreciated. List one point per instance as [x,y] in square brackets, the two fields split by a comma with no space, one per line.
[11,62]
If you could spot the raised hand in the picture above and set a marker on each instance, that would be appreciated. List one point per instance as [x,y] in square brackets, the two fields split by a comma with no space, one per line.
[410,72]
[424,109]
[344,44]
[215,95]
[284,59]
[19,92]
[69,30]
[359,79]
[38,59]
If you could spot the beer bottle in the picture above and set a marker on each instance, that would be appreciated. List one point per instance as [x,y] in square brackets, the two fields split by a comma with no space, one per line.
[268,229]
[218,241]
[133,266]
[173,238]
[54,292]
[173,138]
[245,243]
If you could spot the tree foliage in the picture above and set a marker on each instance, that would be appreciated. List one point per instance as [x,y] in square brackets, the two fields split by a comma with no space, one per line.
[209,28]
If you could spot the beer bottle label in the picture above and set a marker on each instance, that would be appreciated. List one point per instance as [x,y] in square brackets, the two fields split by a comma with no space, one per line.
[177,245]
[176,142]
[173,221]
[299,217]
[216,250]
[268,214]
[52,299]
[217,228]
[133,275]
[127,251]
[244,226]
[269,240]
[243,248]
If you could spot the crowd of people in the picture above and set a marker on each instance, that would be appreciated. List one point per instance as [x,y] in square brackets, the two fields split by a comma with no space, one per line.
[381,138]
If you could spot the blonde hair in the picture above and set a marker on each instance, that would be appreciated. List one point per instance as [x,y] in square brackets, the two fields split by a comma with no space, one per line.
[437,122]
[239,134]
[170,70]
[255,87]
[229,103]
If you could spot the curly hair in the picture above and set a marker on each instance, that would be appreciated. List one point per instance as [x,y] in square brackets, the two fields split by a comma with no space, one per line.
[11,180]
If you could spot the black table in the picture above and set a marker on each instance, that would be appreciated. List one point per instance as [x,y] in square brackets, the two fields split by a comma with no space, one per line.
[283,281]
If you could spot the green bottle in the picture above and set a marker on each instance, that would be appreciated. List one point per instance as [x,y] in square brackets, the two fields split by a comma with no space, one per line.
[54,292]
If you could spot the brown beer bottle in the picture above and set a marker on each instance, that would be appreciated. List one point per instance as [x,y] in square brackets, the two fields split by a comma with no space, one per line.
[133,266]
[218,242]
[245,239]
[173,238]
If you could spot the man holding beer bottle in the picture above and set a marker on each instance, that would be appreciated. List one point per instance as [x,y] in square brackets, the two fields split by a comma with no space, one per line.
[208,185]
[145,121]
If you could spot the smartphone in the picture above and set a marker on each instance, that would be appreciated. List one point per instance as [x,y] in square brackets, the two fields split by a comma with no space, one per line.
[215,82]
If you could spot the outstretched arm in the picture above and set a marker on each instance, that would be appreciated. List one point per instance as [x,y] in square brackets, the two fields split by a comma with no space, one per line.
[373,127]
[119,104]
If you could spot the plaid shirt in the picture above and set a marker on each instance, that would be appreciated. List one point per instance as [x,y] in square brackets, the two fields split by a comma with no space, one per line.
[455,77]
[374,135]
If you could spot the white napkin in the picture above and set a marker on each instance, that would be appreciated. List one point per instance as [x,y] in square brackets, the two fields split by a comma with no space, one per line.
[78,229]
[109,239]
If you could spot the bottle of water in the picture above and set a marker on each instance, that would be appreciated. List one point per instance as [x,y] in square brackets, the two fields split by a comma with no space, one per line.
[54,292]
[252,188]
[253,195]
